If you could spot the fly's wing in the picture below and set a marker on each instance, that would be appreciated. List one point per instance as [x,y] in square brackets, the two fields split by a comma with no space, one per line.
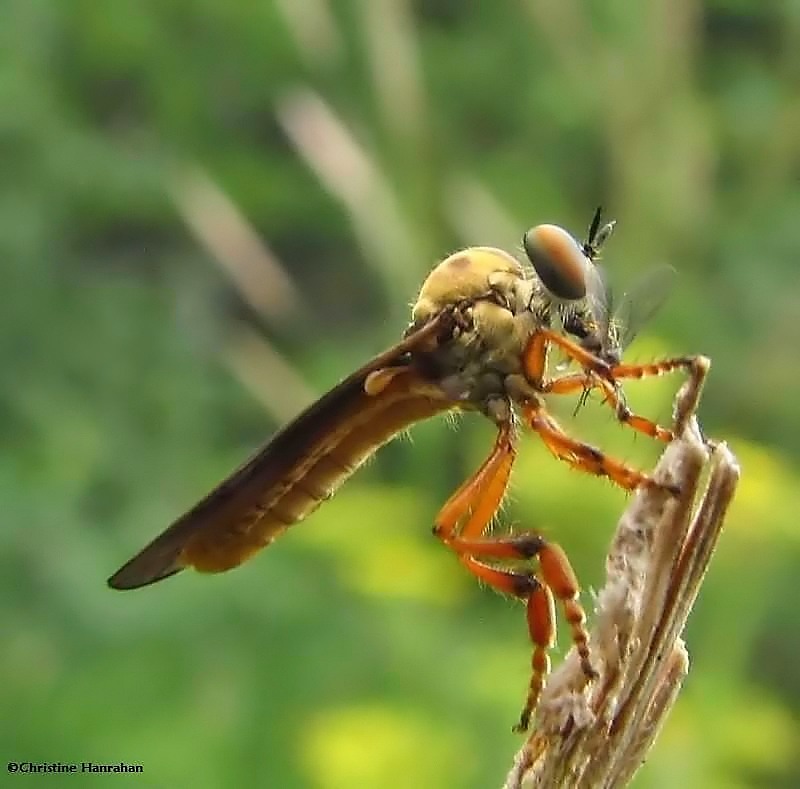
[300,466]
[599,297]
[642,302]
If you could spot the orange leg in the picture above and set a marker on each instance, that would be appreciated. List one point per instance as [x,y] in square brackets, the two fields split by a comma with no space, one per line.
[599,375]
[580,455]
[602,375]
[535,361]
[557,579]
[534,358]
[696,366]
[581,382]
[480,496]
[477,500]
[541,625]
[687,363]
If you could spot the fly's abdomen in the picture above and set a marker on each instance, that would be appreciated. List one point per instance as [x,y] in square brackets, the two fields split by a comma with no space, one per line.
[314,479]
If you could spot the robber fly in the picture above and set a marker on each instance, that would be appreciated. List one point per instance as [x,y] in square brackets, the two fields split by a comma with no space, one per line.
[481,330]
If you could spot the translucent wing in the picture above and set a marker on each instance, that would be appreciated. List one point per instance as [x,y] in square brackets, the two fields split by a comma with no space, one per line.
[642,302]
[616,326]
[599,297]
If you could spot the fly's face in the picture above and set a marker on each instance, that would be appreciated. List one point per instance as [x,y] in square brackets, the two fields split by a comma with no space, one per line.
[572,281]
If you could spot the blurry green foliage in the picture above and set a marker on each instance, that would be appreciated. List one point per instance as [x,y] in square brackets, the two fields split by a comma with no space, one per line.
[356,653]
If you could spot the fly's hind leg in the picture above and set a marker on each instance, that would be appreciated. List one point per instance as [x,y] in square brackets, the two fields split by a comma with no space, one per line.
[461,526]
[556,579]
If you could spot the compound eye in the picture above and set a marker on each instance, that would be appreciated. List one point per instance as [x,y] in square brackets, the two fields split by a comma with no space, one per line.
[558,260]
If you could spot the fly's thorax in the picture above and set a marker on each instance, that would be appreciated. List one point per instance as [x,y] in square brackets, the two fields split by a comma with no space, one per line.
[473,365]
[469,275]
[493,297]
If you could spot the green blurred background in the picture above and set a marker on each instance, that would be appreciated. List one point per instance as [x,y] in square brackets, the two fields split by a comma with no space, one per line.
[210,212]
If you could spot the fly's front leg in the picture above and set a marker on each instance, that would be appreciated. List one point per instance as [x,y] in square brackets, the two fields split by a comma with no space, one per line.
[597,375]
[697,368]
[582,382]
[600,374]
[461,526]
[535,355]
[534,358]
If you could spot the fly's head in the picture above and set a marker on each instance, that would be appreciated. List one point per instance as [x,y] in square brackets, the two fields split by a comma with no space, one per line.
[573,285]
[576,288]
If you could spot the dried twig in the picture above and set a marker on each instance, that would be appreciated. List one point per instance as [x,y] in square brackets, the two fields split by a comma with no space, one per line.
[596,736]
